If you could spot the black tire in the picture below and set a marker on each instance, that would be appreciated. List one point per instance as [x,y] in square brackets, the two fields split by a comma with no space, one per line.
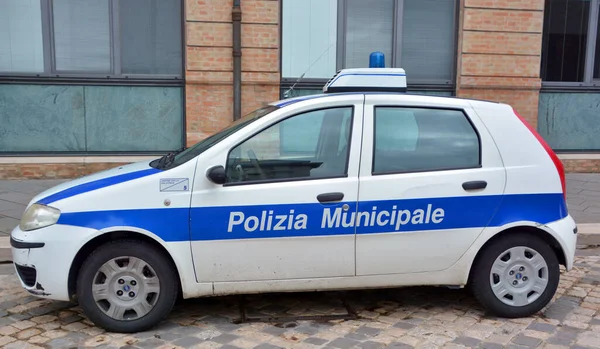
[481,279]
[155,258]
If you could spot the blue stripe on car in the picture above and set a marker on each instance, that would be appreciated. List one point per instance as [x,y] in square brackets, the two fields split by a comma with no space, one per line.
[95,185]
[212,223]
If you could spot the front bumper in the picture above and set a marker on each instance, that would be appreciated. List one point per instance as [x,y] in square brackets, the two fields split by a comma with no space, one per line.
[43,258]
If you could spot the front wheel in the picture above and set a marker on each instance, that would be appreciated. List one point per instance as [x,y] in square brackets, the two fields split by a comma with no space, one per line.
[516,276]
[127,286]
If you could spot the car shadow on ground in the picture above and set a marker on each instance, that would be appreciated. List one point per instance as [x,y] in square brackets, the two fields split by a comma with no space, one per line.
[411,304]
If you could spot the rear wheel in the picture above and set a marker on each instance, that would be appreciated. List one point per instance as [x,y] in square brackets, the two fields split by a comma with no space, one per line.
[127,286]
[516,276]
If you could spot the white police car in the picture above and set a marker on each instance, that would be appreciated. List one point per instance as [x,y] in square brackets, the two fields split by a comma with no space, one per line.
[361,187]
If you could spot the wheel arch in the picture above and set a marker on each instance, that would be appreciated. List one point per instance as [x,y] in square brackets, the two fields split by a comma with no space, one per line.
[536,230]
[106,237]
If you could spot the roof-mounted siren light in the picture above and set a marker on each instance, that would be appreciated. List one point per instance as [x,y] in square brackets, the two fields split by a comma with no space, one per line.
[376,78]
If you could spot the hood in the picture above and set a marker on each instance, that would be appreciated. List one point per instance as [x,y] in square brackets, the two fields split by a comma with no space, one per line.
[95,181]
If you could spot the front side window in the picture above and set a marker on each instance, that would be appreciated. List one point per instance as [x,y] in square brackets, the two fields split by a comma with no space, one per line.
[309,145]
[422,139]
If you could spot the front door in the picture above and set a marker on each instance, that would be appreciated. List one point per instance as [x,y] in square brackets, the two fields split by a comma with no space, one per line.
[431,179]
[285,184]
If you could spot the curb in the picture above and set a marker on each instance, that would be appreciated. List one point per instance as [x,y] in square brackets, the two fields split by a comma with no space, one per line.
[589,229]
[4,242]
[5,252]
[588,235]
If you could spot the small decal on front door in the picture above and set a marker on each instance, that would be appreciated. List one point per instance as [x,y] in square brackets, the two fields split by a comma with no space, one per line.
[174,184]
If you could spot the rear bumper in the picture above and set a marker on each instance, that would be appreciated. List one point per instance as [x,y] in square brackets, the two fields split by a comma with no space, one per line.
[565,232]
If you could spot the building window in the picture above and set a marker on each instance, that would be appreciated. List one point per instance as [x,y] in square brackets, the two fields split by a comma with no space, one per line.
[21,45]
[115,39]
[369,27]
[320,37]
[570,52]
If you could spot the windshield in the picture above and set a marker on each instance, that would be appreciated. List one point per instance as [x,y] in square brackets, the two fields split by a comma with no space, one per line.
[206,143]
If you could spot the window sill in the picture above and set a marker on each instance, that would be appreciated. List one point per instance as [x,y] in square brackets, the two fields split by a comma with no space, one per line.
[70,80]
[569,87]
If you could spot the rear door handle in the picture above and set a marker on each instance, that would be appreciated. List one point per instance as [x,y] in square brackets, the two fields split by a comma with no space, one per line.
[330,197]
[474,185]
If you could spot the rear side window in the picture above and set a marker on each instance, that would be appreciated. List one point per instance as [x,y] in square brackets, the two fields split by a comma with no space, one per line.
[423,139]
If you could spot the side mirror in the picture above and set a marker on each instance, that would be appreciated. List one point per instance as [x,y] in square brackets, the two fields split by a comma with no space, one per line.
[216,174]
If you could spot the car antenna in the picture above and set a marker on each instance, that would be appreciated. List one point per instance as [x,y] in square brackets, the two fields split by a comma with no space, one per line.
[288,91]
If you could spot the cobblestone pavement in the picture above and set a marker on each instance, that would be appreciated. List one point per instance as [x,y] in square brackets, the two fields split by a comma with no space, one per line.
[393,318]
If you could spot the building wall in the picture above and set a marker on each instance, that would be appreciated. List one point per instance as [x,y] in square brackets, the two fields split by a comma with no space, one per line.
[498,57]
[499,53]
[77,97]
[209,66]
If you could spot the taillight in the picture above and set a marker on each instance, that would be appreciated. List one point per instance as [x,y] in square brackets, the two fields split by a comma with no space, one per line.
[559,165]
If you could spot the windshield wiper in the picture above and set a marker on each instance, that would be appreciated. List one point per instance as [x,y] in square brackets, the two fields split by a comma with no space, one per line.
[165,160]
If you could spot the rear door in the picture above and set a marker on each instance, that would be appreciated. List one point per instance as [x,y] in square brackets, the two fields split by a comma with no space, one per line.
[431,179]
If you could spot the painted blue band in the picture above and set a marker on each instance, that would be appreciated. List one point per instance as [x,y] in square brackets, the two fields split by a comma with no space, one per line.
[98,184]
[314,219]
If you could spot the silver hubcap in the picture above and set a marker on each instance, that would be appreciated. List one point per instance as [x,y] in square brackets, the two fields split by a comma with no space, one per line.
[519,276]
[126,288]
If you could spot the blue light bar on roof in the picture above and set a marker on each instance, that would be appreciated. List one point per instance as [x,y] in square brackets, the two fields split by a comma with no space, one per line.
[377,60]
[367,80]
[376,78]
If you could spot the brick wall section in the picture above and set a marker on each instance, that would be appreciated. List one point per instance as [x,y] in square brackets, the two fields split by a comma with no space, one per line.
[52,171]
[502,43]
[209,62]
[499,53]
[209,34]
[256,96]
[582,166]
[509,4]
[75,170]
[525,102]
[208,10]
[209,59]
[521,21]
[496,65]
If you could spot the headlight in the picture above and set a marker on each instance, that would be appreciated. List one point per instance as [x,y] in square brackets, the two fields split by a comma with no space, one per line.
[38,216]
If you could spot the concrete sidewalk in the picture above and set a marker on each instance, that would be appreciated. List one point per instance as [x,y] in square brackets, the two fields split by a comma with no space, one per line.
[583,196]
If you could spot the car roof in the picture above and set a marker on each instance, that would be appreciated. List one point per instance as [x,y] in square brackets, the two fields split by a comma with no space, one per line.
[293,100]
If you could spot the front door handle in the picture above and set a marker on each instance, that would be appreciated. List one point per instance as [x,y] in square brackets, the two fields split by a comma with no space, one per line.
[330,197]
[474,185]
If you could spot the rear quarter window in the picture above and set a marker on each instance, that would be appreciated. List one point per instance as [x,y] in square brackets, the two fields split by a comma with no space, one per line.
[423,139]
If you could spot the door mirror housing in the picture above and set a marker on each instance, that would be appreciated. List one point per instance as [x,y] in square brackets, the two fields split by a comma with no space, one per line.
[216,174]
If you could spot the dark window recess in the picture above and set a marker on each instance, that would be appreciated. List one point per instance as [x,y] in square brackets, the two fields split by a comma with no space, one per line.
[27,274]
[310,145]
[422,139]
[150,37]
[597,56]
[565,40]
